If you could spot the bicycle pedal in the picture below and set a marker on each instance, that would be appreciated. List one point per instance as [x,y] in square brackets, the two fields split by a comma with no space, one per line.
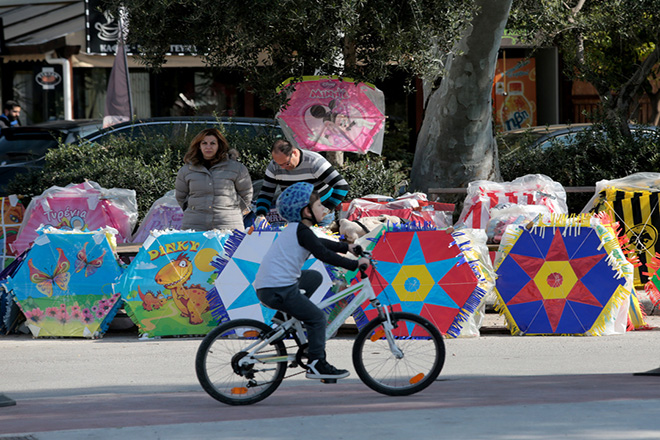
[328,380]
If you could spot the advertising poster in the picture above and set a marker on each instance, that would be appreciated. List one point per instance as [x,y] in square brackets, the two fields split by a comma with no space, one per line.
[514,93]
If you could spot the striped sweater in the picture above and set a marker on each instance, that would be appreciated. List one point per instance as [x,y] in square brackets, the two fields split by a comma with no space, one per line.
[313,168]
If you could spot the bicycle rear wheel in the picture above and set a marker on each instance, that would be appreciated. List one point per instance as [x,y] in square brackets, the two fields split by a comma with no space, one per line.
[224,379]
[422,347]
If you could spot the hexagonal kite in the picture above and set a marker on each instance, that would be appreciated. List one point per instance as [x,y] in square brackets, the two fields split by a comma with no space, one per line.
[233,293]
[65,285]
[566,278]
[432,273]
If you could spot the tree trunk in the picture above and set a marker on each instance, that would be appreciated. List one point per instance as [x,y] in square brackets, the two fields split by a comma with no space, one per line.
[456,144]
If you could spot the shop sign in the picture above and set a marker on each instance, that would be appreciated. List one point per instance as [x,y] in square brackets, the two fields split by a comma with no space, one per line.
[48,78]
[102,32]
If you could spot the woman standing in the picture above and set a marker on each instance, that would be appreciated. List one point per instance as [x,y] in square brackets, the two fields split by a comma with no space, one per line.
[212,189]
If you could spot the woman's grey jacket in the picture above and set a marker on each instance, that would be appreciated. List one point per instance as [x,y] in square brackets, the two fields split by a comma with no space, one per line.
[213,198]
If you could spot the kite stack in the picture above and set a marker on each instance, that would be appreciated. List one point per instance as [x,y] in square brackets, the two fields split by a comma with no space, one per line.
[83,207]
[11,217]
[632,201]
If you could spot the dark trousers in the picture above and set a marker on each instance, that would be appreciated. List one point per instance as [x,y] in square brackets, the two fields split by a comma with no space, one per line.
[290,300]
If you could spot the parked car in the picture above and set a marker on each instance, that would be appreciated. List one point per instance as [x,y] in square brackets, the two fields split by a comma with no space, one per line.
[545,136]
[25,148]
[174,127]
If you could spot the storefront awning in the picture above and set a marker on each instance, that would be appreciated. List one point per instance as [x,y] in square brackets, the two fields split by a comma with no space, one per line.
[33,29]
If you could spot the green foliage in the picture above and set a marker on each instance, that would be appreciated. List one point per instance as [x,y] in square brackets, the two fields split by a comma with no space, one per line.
[272,40]
[602,42]
[396,143]
[373,175]
[254,153]
[149,166]
[593,155]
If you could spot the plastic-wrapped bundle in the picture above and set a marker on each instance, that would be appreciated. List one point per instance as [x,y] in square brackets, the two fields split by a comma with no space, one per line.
[82,207]
[165,213]
[533,189]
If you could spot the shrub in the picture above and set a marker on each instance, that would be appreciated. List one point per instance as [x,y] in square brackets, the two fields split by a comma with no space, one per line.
[149,166]
[592,155]
[370,174]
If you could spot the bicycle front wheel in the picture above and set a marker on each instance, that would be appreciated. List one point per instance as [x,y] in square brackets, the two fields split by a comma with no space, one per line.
[413,367]
[224,378]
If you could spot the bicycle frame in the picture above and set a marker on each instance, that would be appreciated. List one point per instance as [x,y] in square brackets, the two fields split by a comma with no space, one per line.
[362,291]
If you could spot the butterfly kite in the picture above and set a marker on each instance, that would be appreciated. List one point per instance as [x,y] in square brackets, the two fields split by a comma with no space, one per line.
[60,275]
[90,266]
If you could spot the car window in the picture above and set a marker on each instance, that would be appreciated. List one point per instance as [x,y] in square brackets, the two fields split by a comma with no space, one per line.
[560,139]
[20,148]
[82,131]
[167,129]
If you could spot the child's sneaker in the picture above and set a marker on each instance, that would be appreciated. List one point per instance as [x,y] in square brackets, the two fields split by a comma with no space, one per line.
[321,369]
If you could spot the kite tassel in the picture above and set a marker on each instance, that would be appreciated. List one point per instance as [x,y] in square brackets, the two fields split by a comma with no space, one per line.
[232,243]
[608,313]
[636,314]
[217,307]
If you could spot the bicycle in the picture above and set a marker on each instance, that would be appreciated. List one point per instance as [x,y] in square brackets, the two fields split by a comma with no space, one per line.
[244,361]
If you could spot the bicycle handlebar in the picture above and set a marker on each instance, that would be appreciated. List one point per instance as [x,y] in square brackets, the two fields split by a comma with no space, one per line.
[359,251]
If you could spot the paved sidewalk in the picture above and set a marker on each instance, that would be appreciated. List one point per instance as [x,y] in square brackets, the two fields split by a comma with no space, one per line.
[492,387]
[539,407]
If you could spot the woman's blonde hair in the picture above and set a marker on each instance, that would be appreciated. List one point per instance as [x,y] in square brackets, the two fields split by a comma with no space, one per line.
[194,154]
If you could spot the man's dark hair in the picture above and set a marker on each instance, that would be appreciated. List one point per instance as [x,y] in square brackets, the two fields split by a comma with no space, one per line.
[9,105]
[283,146]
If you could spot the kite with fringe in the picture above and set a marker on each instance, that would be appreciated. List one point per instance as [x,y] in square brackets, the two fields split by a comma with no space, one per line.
[441,275]
[568,276]
[236,269]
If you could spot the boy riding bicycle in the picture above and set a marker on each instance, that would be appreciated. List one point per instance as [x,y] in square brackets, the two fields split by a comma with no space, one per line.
[280,276]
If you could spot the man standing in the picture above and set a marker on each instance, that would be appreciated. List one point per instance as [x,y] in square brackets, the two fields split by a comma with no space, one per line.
[10,114]
[291,165]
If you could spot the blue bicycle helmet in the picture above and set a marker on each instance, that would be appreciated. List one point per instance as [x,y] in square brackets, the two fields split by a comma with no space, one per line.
[293,200]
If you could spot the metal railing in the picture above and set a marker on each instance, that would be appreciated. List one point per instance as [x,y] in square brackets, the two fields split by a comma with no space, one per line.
[438,191]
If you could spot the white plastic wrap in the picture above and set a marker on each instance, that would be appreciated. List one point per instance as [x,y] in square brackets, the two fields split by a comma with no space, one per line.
[165,213]
[634,182]
[506,214]
[532,189]
[83,206]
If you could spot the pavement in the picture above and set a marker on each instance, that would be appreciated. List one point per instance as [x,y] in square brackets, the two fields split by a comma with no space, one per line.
[495,386]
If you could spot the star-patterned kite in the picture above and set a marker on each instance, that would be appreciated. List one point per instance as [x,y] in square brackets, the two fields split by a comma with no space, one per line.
[237,269]
[559,280]
[427,273]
